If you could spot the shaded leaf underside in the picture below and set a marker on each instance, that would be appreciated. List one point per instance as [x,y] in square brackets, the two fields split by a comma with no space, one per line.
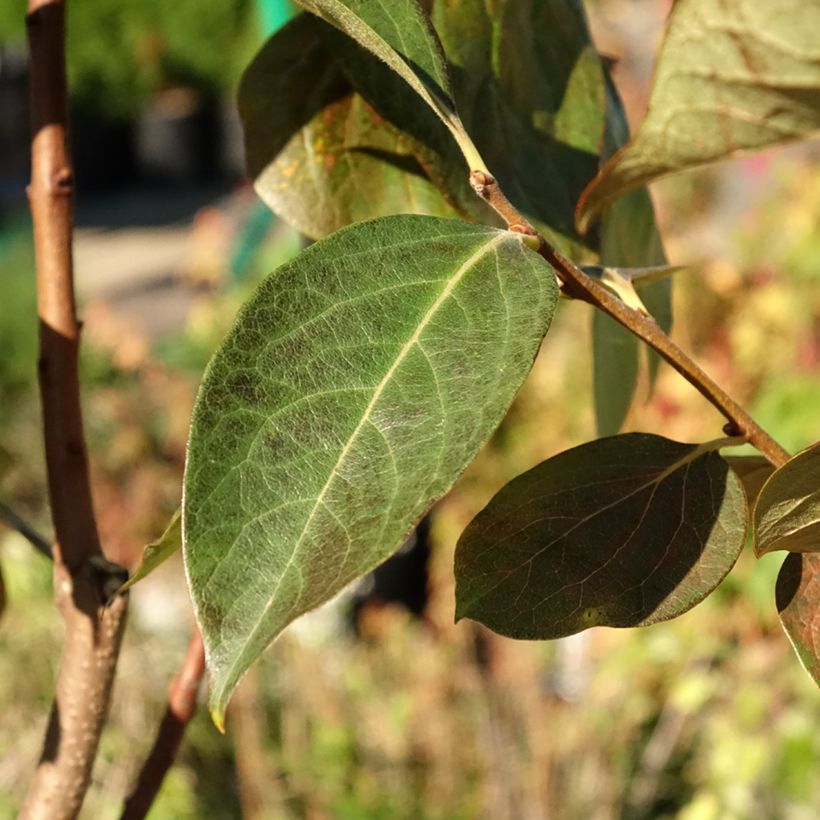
[623,531]
[354,388]
[798,602]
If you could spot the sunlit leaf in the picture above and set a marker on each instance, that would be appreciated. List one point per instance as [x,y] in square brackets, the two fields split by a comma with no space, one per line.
[355,386]
[320,156]
[753,472]
[623,531]
[400,35]
[798,602]
[158,552]
[732,76]
[787,512]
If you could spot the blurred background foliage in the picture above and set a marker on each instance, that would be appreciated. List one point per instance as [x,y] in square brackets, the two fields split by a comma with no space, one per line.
[704,718]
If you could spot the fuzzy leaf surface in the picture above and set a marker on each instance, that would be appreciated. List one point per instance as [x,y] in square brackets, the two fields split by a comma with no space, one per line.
[623,531]
[354,388]
[732,76]
[787,512]
[158,552]
[320,156]
[798,601]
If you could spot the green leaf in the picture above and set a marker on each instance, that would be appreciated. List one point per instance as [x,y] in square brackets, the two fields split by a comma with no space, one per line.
[629,238]
[787,512]
[400,35]
[530,89]
[623,531]
[798,601]
[732,76]
[753,472]
[157,552]
[354,388]
[320,156]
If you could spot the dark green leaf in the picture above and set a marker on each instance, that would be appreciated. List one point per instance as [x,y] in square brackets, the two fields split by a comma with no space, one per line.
[158,552]
[732,76]
[629,238]
[623,531]
[400,35]
[320,156]
[530,88]
[354,388]
[798,602]
[787,512]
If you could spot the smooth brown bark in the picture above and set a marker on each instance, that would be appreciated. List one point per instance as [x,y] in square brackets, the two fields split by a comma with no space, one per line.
[84,581]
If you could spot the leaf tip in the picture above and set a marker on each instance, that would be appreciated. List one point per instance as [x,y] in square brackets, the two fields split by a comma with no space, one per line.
[217,712]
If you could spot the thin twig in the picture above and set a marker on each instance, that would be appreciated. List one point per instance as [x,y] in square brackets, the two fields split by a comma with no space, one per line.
[94,622]
[39,542]
[579,285]
[182,695]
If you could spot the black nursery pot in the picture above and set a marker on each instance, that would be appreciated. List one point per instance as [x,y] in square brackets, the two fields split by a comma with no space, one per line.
[178,138]
[102,151]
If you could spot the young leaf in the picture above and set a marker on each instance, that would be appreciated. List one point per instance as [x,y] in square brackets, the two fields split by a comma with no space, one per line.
[798,601]
[400,34]
[355,386]
[732,76]
[787,512]
[623,531]
[157,552]
[753,472]
[320,156]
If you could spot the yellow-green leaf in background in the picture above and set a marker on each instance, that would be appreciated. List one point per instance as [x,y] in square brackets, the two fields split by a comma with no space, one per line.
[320,156]
[732,76]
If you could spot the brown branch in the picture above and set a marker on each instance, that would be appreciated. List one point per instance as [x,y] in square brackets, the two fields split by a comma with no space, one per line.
[578,285]
[182,695]
[83,579]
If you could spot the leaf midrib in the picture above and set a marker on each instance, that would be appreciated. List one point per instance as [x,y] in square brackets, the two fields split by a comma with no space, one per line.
[453,281]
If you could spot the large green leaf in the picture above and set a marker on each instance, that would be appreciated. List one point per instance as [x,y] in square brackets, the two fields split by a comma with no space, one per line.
[787,512]
[320,156]
[732,76]
[399,34]
[798,602]
[623,531]
[355,386]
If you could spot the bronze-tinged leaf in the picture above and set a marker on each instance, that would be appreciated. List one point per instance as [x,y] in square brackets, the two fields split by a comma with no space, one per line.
[733,76]
[798,601]
[623,531]
[787,512]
